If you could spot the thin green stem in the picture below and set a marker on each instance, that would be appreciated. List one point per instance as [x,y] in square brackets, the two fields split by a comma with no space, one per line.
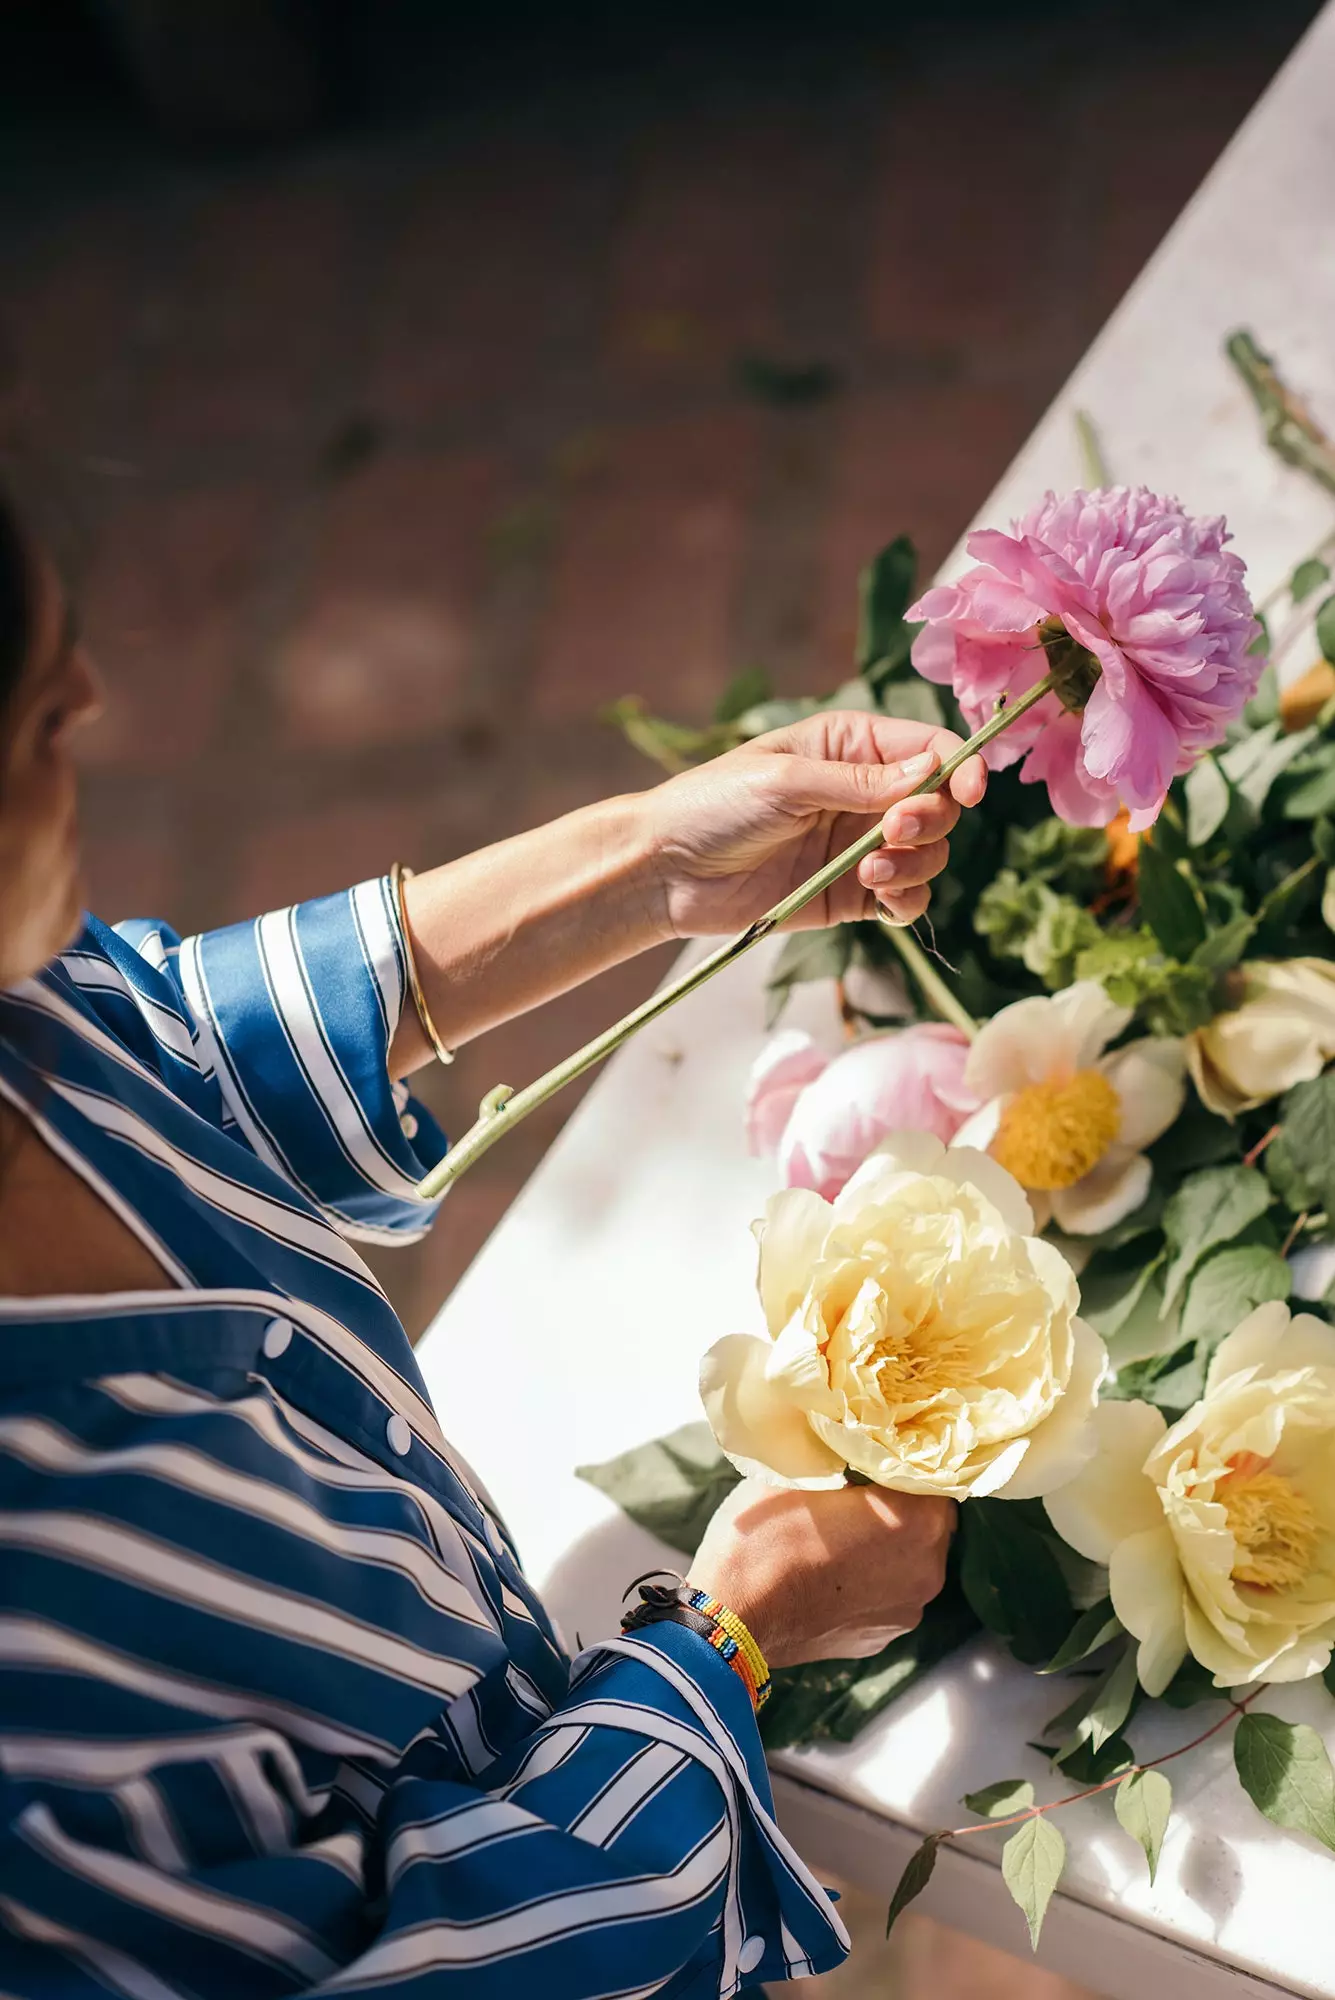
[1093,468]
[932,986]
[502,1109]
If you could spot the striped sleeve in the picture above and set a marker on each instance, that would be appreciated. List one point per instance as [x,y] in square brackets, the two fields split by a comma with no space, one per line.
[243,1723]
[295,1013]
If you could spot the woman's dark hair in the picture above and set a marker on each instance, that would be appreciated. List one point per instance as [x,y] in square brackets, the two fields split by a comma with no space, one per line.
[16,607]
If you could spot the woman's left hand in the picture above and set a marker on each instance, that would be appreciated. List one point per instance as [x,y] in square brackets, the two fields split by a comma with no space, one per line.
[731,837]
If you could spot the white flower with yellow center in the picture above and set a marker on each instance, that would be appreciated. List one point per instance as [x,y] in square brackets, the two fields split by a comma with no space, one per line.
[917,1331]
[1219,1534]
[1069,1122]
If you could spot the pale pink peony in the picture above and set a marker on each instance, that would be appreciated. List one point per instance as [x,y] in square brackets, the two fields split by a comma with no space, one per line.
[824,1116]
[1147,590]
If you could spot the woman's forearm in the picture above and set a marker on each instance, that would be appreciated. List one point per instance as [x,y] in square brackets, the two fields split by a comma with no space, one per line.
[500,931]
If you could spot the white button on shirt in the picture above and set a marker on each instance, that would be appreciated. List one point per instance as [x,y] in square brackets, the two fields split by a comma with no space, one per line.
[398,1436]
[750,1955]
[277,1338]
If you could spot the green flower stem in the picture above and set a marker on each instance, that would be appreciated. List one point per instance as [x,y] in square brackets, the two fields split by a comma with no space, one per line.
[502,1108]
[929,981]
[1093,470]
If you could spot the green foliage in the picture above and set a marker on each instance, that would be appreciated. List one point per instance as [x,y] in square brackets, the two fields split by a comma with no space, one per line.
[1226,1287]
[1286,1772]
[1325,628]
[671,1486]
[914,1880]
[1093,1629]
[1011,1577]
[1308,576]
[1100,1712]
[1308,1136]
[743,691]
[885,591]
[1190,1685]
[1209,1208]
[1068,858]
[1169,997]
[1170,903]
[1143,1803]
[1031,1867]
[999,1801]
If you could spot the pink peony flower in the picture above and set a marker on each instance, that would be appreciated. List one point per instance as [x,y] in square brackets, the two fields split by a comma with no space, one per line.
[824,1116]
[1155,603]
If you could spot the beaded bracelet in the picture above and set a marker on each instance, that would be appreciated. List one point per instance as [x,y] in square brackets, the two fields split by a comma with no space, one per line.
[680,1603]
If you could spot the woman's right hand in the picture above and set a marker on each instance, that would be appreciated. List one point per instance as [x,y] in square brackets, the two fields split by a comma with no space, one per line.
[831,1575]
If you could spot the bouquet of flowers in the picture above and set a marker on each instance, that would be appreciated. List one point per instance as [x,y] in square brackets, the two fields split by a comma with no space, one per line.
[1044,1218]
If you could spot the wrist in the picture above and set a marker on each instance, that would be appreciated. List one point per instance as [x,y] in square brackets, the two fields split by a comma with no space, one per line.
[630,888]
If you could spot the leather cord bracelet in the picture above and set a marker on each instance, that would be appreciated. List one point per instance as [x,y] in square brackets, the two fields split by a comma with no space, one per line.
[677,1602]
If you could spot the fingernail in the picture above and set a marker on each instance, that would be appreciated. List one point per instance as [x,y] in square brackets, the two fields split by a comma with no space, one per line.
[919,766]
[907,826]
[883,867]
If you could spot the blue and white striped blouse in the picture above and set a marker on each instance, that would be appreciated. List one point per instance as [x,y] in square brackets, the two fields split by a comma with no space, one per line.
[278,1711]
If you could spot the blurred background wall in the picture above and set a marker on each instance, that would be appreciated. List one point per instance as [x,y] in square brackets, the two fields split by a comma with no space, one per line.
[429,376]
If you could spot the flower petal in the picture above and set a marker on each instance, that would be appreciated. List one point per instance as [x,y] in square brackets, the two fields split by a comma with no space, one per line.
[1114,1189]
[756,1421]
[1253,1343]
[1148,1079]
[1110,1499]
[1064,1441]
[787,1063]
[794,1228]
[1149,1596]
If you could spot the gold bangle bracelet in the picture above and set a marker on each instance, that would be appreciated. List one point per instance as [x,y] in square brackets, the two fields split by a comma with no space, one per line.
[398,875]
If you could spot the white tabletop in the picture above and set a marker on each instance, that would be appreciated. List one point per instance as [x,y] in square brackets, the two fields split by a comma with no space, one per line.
[578,1330]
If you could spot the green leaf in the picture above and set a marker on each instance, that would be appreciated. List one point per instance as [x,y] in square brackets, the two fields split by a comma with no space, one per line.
[1092,1767]
[671,1486]
[1328,901]
[1293,1188]
[1211,1207]
[1323,839]
[1309,1135]
[1286,1773]
[1093,1628]
[743,691]
[1226,1287]
[1253,764]
[999,1801]
[1071,858]
[1309,787]
[1012,1578]
[1112,1285]
[1308,576]
[1031,1866]
[1168,904]
[1109,1704]
[914,1879]
[1190,1685]
[1264,704]
[806,956]
[1325,629]
[1143,1802]
[885,590]
[912,701]
[1223,948]
[1208,796]
[1196,1138]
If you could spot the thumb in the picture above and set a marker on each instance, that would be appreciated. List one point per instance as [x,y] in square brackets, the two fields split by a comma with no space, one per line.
[819,786]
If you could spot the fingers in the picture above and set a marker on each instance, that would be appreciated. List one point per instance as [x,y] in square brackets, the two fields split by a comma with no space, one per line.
[853,737]
[896,869]
[821,785]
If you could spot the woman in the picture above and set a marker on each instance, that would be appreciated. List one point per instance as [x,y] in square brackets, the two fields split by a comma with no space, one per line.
[278,1711]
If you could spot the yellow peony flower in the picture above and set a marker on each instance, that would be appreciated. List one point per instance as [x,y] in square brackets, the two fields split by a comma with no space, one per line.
[1069,1122]
[917,1332]
[1281,1032]
[1219,1534]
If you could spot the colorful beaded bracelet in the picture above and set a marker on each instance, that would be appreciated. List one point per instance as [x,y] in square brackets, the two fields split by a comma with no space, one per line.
[680,1603]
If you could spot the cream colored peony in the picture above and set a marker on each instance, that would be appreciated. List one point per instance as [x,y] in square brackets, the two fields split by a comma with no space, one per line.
[1068,1121]
[1219,1534]
[1280,1032]
[917,1332]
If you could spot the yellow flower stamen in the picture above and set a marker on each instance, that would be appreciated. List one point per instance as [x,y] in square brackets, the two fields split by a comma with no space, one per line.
[924,1359]
[1052,1134]
[1274,1527]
